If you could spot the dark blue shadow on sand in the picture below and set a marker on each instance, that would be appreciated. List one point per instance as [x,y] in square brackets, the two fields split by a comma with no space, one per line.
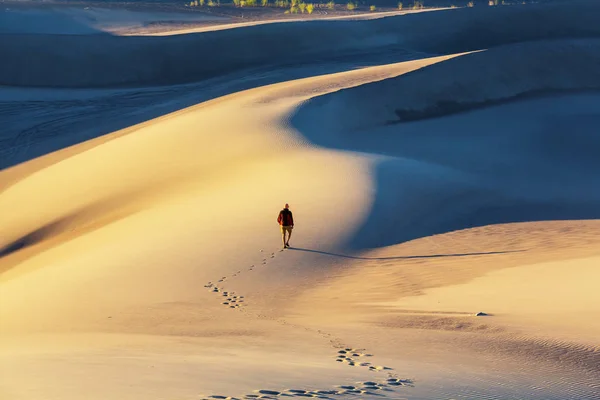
[442,175]
[326,253]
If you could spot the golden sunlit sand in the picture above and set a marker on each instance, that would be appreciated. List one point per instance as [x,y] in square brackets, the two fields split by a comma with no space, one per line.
[453,254]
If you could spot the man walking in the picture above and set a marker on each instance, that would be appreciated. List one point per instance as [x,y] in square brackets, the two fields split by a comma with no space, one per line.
[286,222]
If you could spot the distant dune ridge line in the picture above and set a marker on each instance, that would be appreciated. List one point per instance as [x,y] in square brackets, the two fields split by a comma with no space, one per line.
[519,71]
[479,79]
[144,259]
[113,61]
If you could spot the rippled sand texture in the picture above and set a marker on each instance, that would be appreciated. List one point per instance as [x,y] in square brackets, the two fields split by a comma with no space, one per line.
[443,173]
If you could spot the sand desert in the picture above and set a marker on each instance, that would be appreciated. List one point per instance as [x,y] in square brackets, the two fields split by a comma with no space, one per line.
[442,165]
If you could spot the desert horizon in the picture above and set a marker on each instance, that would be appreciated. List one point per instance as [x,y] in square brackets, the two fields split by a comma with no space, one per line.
[440,161]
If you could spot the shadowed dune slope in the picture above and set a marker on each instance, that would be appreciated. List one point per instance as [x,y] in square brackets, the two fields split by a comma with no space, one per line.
[478,79]
[145,263]
[42,22]
[528,160]
[79,19]
[102,60]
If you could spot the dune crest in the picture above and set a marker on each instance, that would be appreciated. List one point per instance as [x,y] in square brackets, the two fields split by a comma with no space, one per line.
[452,256]
[110,61]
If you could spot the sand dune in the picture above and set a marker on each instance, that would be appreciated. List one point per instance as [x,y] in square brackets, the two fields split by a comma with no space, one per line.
[353,17]
[60,20]
[473,173]
[102,60]
[480,79]
[146,263]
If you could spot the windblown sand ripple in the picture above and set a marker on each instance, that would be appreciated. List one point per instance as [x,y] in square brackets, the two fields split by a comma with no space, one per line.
[447,257]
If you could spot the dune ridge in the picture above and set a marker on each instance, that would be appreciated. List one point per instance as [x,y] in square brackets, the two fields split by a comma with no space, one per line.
[112,61]
[147,263]
[79,19]
[499,75]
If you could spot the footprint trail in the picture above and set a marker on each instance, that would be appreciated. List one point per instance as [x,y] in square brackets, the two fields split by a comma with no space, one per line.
[365,388]
[231,299]
[346,355]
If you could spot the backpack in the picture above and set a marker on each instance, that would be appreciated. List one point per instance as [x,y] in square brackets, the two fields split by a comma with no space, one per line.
[286,217]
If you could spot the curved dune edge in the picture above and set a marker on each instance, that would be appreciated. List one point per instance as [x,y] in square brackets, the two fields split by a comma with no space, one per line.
[81,20]
[85,19]
[109,61]
[183,288]
[19,172]
[16,180]
[142,274]
[496,76]
[542,69]
[217,27]
[143,302]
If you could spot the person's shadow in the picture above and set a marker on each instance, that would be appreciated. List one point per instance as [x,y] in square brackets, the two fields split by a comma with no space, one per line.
[404,257]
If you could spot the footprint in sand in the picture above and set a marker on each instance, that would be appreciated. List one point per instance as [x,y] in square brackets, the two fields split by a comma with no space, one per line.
[232,300]
[355,358]
[379,368]
[399,382]
[358,389]
[367,388]
[269,392]
[364,388]
[350,356]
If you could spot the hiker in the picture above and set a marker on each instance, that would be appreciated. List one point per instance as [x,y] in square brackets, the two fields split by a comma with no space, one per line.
[286,222]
